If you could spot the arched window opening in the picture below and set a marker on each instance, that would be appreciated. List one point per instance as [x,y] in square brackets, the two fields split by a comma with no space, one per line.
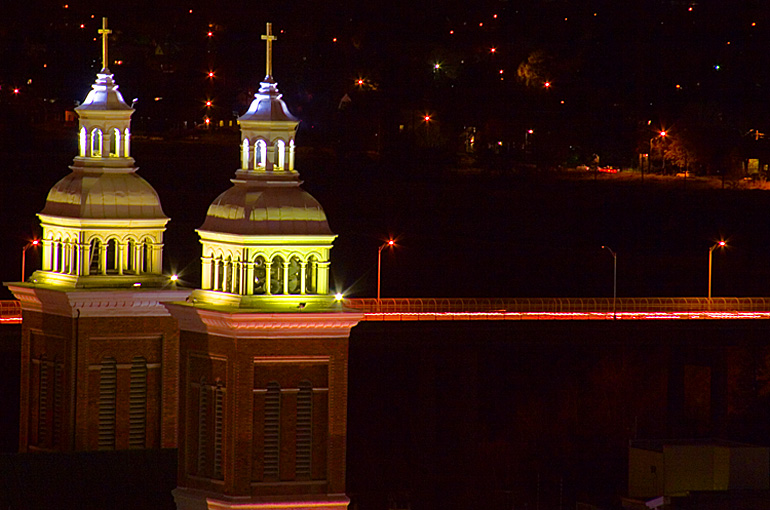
[304,454]
[260,275]
[59,257]
[228,287]
[291,154]
[272,455]
[260,154]
[96,143]
[311,275]
[112,255]
[237,270]
[137,404]
[220,277]
[146,258]
[83,142]
[295,276]
[276,276]
[131,256]
[203,417]
[126,143]
[108,380]
[245,154]
[280,154]
[94,257]
[115,143]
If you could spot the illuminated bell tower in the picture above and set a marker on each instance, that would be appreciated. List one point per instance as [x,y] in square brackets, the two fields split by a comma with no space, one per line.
[99,362]
[263,343]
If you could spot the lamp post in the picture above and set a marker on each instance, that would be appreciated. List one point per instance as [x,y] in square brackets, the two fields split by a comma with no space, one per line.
[34,242]
[390,243]
[661,134]
[720,244]
[614,280]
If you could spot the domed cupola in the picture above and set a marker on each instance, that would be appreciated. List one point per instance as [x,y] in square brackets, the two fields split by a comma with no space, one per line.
[102,224]
[265,240]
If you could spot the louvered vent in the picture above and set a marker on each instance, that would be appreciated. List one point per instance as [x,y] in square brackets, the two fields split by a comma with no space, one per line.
[304,430]
[272,431]
[107,396]
[42,404]
[58,410]
[137,404]
[203,412]
[219,412]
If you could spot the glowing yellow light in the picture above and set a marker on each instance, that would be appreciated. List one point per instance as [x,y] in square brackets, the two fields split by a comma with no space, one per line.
[426,119]
[494,16]
[190,11]
[562,102]
[338,296]
[501,71]
[436,66]
[15,91]
[208,103]
[174,277]
[66,6]
[753,24]
[547,84]
[207,121]
[210,34]
[662,133]
[530,131]
[678,86]
[492,50]
[334,39]
[82,25]
[391,242]
[451,32]
[211,74]
[721,243]
[481,24]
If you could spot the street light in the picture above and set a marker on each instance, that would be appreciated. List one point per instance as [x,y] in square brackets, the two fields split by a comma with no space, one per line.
[720,244]
[389,244]
[661,134]
[34,242]
[614,280]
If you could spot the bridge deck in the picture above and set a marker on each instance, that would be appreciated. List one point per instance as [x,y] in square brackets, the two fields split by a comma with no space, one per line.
[464,309]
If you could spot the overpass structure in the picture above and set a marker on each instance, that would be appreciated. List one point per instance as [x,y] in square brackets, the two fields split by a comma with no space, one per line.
[465,309]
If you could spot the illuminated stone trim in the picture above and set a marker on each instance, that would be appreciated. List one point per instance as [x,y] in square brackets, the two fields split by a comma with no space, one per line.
[189,499]
[108,303]
[331,324]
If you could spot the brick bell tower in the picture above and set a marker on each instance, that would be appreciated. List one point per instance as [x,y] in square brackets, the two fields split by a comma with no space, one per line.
[99,350]
[263,343]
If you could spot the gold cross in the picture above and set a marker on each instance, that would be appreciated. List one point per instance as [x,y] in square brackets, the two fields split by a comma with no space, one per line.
[105,34]
[269,37]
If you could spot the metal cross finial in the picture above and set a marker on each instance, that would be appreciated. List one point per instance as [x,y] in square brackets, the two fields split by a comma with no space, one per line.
[269,37]
[105,32]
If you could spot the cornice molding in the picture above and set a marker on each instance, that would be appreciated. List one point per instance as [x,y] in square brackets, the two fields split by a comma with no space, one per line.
[264,325]
[99,303]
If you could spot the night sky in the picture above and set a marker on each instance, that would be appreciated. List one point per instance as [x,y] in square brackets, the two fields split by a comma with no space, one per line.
[616,71]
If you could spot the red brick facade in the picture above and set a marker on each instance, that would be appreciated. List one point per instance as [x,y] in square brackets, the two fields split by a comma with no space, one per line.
[95,382]
[263,413]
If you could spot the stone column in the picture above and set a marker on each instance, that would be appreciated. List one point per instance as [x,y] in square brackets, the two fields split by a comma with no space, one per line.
[302,277]
[286,277]
[322,285]
[249,278]
[268,266]
[206,273]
